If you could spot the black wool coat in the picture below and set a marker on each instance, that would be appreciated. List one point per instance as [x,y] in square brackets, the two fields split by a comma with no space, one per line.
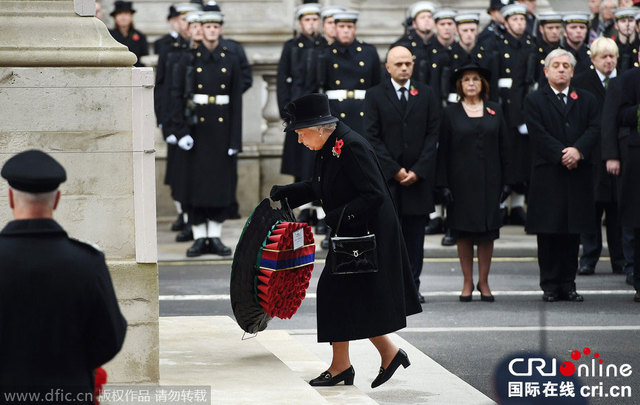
[474,164]
[136,41]
[405,138]
[59,317]
[605,183]
[621,141]
[211,174]
[352,67]
[561,201]
[351,307]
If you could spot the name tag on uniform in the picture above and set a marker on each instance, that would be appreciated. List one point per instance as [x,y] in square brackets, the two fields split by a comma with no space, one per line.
[453,98]
[298,239]
[505,83]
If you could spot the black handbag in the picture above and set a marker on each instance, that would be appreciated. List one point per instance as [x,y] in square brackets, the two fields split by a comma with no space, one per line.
[353,254]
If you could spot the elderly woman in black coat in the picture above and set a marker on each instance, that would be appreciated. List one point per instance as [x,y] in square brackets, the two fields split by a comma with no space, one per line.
[349,183]
[472,170]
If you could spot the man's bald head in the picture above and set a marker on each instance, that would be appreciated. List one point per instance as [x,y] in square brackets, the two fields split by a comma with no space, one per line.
[399,64]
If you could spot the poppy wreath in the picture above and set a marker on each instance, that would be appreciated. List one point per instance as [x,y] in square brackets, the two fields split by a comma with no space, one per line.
[100,381]
[284,272]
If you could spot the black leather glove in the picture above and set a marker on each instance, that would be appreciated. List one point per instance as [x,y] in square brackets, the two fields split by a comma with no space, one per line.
[505,193]
[447,195]
[278,193]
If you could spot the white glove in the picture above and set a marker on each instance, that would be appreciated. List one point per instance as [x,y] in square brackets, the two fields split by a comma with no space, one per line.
[171,139]
[232,152]
[186,142]
[523,129]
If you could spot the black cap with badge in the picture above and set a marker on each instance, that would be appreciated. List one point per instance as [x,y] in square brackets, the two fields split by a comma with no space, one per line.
[33,171]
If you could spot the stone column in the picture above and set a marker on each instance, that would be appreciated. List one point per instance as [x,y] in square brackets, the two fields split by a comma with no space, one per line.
[270,111]
[68,88]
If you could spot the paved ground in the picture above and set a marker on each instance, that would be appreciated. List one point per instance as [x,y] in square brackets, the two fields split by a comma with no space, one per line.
[468,339]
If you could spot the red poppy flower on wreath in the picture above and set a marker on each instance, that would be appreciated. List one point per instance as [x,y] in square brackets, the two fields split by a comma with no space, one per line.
[136,37]
[573,95]
[413,91]
[337,148]
[490,111]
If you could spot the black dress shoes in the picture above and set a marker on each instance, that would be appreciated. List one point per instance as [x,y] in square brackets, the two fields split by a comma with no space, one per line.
[185,235]
[436,225]
[321,227]
[326,379]
[586,271]
[518,216]
[421,298]
[550,297]
[385,374]
[629,279]
[198,248]
[636,298]
[448,239]
[178,224]
[466,298]
[217,247]
[485,298]
[572,296]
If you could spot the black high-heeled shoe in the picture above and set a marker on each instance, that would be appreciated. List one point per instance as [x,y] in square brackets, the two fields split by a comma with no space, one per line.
[326,379]
[385,374]
[466,298]
[485,298]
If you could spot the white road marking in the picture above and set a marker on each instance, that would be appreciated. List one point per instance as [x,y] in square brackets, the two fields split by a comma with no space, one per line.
[226,297]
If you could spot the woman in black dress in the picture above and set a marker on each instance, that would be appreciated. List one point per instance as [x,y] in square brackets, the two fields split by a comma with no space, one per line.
[472,170]
[348,181]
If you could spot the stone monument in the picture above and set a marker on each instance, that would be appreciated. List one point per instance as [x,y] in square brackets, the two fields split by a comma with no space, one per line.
[68,88]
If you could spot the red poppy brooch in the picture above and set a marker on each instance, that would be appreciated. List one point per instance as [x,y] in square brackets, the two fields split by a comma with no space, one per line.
[490,111]
[573,95]
[413,91]
[136,37]
[337,148]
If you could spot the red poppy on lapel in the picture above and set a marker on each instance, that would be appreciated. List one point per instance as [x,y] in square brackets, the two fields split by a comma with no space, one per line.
[337,148]
[490,111]
[136,37]
[413,91]
[573,95]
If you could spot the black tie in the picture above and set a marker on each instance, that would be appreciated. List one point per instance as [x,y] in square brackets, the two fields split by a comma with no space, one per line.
[403,97]
[561,97]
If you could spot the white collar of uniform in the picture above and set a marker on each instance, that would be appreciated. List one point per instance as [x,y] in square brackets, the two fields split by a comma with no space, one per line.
[396,86]
[611,76]
[565,91]
[174,34]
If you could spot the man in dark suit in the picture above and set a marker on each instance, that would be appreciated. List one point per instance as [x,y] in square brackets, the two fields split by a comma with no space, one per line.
[620,148]
[401,120]
[604,55]
[59,316]
[564,124]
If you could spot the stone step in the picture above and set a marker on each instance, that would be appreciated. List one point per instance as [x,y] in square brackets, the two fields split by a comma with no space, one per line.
[424,382]
[274,367]
[210,351]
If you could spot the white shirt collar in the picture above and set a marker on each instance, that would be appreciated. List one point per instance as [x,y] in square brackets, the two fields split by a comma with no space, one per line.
[565,91]
[174,34]
[611,76]
[396,86]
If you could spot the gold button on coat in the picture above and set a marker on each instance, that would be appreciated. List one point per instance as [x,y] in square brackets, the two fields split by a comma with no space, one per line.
[199,70]
[220,119]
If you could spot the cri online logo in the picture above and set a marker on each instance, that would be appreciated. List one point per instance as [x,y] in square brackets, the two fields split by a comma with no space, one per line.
[595,369]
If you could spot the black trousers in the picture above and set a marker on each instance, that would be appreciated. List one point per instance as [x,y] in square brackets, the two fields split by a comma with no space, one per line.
[413,234]
[200,215]
[592,242]
[558,262]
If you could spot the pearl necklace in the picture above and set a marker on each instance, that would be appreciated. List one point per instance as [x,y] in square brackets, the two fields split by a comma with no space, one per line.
[472,109]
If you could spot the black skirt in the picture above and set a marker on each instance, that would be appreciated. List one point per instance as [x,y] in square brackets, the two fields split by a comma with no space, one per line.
[476,236]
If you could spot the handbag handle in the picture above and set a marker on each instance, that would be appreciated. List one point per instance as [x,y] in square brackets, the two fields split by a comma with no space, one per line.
[340,221]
